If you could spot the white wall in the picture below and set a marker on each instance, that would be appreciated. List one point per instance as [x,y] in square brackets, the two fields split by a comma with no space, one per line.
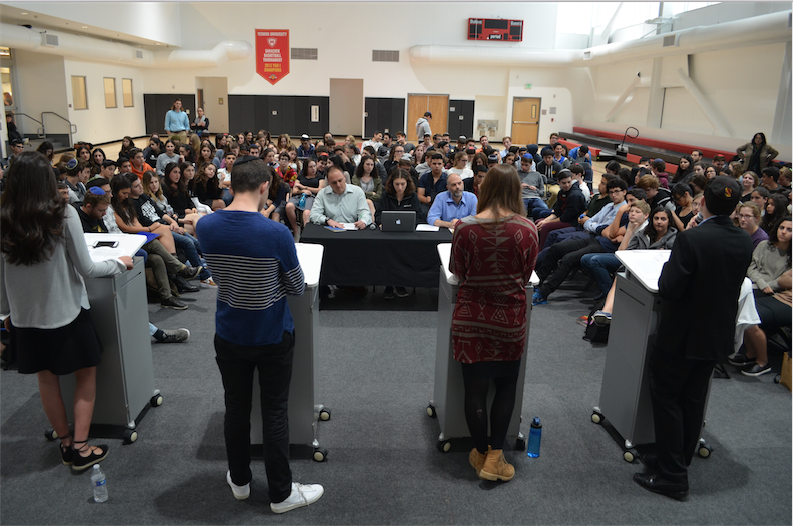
[99,124]
[41,85]
[218,114]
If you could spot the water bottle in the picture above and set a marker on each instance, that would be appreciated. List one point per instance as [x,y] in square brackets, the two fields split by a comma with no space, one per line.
[99,483]
[535,434]
[302,201]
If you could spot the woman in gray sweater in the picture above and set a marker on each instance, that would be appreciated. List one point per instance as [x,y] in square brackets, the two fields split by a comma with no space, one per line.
[44,260]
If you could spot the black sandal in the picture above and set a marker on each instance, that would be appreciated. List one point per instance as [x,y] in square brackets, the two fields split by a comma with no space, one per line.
[81,462]
[67,453]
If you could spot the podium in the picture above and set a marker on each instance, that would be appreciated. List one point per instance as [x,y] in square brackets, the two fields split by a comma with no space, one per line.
[304,411]
[625,390]
[120,314]
[447,404]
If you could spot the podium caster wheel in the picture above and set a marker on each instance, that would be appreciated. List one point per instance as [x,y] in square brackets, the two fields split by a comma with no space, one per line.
[431,411]
[130,436]
[520,444]
[50,434]
[320,454]
[324,414]
[597,418]
[444,446]
[156,401]
[628,456]
[704,451]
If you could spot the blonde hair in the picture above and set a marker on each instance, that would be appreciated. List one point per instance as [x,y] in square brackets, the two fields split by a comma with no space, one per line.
[147,176]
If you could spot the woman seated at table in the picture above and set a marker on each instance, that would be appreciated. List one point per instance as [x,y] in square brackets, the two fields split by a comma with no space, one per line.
[175,190]
[367,178]
[308,185]
[771,284]
[399,196]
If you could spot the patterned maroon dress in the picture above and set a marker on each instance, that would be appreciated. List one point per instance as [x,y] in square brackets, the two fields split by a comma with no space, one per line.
[493,261]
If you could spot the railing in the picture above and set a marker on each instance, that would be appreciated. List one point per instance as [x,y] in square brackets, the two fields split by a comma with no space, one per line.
[72,127]
[39,130]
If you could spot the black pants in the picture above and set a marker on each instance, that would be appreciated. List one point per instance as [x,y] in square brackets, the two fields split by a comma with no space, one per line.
[561,259]
[274,363]
[678,388]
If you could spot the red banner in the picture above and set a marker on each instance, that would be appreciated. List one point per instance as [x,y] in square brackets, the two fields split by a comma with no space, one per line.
[272,54]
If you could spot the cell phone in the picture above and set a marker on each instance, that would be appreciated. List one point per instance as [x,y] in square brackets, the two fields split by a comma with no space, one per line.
[109,244]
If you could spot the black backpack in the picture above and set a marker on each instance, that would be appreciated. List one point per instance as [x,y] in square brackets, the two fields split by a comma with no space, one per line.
[593,332]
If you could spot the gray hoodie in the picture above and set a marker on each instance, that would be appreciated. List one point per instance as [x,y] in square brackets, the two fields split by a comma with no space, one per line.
[422,127]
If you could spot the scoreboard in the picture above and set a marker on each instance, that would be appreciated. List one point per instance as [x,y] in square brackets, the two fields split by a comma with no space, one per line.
[495,29]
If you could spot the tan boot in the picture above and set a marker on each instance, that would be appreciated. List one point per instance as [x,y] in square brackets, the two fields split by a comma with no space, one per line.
[496,467]
[477,460]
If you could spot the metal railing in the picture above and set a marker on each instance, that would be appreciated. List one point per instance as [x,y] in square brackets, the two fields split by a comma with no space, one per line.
[72,126]
[39,130]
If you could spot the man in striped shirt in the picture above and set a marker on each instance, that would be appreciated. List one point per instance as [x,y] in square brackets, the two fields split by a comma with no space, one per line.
[255,266]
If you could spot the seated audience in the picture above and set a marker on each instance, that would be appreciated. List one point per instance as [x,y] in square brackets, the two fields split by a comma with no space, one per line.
[308,184]
[138,165]
[170,155]
[570,203]
[207,187]
[174,187]
[77,174]
[368,180]
[278,193]
[473,184]
[459,166]
[748,218]
[775,210]
[532,186]
[433,182]
[685,211]
[749,181]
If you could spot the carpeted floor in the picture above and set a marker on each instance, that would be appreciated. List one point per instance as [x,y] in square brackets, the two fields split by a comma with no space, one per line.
[376,366]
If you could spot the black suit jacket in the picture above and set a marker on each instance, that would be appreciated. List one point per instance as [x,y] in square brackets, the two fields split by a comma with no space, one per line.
[699,288]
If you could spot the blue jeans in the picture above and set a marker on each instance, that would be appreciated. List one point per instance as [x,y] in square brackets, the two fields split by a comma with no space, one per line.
[600,267]
[534,203]
[274,363]
[191,249]
[227,197]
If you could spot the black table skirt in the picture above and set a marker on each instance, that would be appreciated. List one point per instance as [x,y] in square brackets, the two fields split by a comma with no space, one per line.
[371,257]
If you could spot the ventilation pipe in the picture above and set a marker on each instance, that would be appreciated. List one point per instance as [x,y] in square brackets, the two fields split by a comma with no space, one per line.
[758,30]
[88,48]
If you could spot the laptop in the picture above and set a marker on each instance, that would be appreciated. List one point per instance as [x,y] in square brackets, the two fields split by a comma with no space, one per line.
[393,221]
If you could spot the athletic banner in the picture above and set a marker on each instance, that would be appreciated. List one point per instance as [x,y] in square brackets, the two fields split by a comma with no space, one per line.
[272,54]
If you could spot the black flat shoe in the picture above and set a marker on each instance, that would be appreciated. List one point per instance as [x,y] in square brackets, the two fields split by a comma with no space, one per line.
[67,453]
[182,285]
[82,463]
[651,482]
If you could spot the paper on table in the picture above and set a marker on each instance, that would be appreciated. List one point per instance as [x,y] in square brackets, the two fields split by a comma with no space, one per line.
[427,228]
[349,226]
[105,253]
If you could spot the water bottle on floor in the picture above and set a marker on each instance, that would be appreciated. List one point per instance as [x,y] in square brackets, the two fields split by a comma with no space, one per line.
[535,434]
[99,483]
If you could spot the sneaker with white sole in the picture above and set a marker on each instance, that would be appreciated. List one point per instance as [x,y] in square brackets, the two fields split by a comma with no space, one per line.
[209,282]
[302,495]
[601,318]
[175,336]
[240,492]
[756,369]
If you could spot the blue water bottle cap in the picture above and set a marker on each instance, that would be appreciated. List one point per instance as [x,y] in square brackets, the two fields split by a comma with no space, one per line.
[536,422]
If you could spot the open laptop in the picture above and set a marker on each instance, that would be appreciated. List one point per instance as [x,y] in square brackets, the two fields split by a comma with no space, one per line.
[393,221]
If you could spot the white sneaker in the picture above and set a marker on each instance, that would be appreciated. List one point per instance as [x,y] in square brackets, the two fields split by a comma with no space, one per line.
[240,492]
[302,495]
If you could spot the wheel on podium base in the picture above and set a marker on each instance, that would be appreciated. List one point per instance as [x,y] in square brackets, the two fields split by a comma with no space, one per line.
[520,444]
[704,450]
[444,446]
[324,414]
[597,418]
[50,434]
[320,454]
[629,456]
[431,411]
[130,436]
[156,400]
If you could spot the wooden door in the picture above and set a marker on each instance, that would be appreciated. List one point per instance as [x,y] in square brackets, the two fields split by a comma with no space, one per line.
[525,120]
[438,105]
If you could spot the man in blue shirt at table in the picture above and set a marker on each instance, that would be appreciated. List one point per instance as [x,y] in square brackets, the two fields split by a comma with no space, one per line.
[452,205]
[254,330]
[176,122]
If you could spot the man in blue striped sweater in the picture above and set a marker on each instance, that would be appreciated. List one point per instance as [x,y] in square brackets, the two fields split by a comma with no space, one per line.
[255,266]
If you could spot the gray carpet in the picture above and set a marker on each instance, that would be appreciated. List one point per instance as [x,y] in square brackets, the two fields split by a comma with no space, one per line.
[383,467]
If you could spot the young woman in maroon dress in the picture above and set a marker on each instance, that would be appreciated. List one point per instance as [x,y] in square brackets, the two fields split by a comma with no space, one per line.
[493,256]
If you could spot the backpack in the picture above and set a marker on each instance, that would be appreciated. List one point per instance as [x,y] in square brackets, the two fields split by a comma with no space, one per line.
[593,332]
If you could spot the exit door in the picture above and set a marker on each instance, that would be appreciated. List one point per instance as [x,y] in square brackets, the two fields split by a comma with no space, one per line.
[525,120]
[438,105]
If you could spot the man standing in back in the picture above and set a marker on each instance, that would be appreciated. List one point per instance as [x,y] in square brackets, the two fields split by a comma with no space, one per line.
[254,330]
[423,126]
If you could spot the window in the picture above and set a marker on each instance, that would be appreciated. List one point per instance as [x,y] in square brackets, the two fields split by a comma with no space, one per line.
[126,87]
[79,95]
[110,93]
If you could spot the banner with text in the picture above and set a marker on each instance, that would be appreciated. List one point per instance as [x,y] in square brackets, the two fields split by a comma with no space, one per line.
[272,54]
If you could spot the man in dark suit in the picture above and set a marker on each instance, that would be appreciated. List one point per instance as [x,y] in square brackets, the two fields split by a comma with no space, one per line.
[699,287]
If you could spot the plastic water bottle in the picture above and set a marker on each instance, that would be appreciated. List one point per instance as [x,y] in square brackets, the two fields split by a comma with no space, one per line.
[535,434]
[302,201]
[99,483]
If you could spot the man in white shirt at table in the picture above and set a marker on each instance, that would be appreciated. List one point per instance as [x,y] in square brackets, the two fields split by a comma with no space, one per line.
[340,202]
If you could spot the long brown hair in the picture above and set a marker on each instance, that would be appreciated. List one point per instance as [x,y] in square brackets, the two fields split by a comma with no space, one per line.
[31,210]
[501,190]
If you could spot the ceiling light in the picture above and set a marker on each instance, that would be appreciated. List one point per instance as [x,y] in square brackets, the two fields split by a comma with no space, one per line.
[85,27]
[22,13]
